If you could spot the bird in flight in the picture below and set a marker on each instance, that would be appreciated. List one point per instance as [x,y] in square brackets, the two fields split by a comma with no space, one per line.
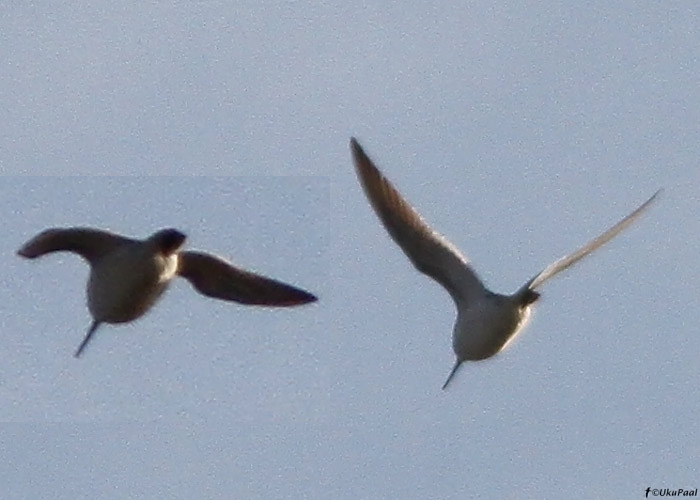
[486,321]
[128,276]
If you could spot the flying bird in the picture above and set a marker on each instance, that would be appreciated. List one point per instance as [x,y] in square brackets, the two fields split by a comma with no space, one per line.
[128,276]
[486,321]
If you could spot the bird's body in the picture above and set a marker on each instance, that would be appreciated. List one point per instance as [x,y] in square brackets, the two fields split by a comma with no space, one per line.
[486,322]
[493,322]
[128,282]
[128,276]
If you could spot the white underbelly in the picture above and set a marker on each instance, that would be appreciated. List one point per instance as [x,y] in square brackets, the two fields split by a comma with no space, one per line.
[484,331]
[124,287]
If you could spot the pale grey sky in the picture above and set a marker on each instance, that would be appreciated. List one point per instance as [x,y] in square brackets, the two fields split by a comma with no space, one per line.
[519,130]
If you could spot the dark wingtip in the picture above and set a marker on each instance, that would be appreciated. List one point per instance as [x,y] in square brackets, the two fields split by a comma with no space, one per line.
[302,297]
[285,296]
[356,148]
[26,251]
[363,165]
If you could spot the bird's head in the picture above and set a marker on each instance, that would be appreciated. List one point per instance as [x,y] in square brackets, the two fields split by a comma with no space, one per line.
[168,241]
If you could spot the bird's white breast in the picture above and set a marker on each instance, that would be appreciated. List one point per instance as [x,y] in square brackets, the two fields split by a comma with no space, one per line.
[487,327]
[126,283]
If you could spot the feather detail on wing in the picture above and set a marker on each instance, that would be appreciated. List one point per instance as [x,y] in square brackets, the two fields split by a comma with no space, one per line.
[214,277]
[571,259]
[430,252]
[91,244]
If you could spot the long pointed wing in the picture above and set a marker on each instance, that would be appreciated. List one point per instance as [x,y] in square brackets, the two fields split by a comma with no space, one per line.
[91,244]
[569,260]
[214,277]
[430,252]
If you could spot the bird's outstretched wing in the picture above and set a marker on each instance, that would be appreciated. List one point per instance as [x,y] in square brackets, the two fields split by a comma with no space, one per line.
[214,277]
[91,244]
[431,253]
[571,259]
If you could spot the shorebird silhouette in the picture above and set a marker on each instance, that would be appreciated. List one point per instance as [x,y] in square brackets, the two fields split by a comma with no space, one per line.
[128,276]
[486,321]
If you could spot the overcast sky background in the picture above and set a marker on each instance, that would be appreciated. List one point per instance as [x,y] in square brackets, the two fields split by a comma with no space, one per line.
[519,130]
